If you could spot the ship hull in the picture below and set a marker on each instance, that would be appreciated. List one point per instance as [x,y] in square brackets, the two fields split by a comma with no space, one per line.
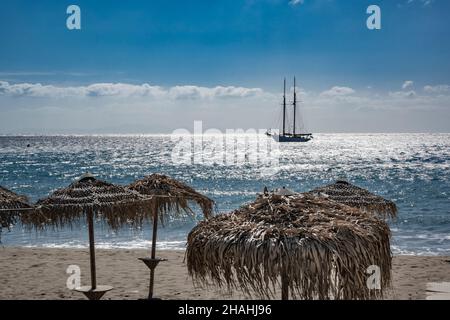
[296,138]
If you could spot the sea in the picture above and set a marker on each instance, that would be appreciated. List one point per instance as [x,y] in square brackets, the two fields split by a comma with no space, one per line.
[410,169]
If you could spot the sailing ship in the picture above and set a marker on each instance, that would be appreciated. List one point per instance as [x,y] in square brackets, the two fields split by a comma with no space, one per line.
[293,136]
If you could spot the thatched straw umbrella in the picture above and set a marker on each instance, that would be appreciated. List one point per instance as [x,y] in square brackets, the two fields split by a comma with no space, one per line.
[11,206]
[353,196]
[316,248]
[169,197]
[89,197]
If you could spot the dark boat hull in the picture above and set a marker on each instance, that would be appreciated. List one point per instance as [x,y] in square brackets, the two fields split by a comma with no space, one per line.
[296,138]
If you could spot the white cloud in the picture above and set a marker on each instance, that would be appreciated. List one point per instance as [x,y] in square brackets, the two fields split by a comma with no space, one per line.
[407,84]
[125,90]
[403,94]
[425,3]
[338,92]
[442,88]
[37,90]
[195,92]
[121,89]
[296,2]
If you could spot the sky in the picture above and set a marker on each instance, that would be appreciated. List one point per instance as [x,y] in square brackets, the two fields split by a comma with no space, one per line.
[157,66]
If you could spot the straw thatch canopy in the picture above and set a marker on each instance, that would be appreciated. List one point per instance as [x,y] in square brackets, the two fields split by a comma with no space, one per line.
[11,205]
[351,195]
[171,196]
[321,248]
[117,205]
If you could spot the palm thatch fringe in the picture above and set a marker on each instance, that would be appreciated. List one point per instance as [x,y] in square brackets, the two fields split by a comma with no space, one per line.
[11,206]
[116,205]
[322,249]
[171,197]
[351,195]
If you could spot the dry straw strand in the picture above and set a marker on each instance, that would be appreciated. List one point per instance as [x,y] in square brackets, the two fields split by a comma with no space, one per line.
[324,249]
[114,204]
[11,207]
[172,197]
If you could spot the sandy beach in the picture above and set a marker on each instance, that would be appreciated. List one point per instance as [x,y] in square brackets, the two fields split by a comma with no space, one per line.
[40,273]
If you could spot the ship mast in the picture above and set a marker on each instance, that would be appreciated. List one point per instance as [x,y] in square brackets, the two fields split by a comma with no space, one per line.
[284,108]
[295,105]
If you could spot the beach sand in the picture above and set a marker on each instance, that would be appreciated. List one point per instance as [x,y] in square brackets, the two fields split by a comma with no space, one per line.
[40,273]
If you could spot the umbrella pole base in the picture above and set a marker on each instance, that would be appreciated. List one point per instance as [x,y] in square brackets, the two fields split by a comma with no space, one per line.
[95,294]
[152,263]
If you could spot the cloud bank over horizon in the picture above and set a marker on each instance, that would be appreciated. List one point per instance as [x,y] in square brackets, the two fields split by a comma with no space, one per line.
[38,90]
[145,108]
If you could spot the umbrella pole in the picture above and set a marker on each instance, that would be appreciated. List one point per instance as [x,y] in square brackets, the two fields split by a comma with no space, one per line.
[93,292]
[154,234]
[92,249]
[153,256]
[152,262]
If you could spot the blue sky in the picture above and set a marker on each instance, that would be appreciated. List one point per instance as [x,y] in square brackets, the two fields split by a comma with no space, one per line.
[248,44]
